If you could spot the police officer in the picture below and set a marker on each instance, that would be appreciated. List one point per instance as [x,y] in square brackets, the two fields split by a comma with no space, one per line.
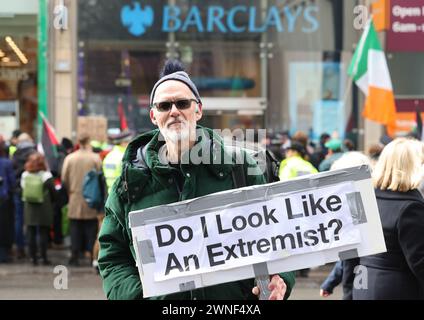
[112,163]
[112,167]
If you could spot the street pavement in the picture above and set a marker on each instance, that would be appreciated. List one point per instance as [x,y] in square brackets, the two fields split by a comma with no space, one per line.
[23,281]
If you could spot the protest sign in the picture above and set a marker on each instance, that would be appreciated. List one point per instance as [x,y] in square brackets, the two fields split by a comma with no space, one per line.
[94,126]
[276,227]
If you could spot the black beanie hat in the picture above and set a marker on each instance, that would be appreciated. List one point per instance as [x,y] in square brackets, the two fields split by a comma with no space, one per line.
[173,70]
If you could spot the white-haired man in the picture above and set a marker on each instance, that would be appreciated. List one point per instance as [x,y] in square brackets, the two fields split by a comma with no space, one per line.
[156,171]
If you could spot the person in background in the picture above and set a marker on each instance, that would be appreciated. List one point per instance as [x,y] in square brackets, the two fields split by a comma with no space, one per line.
[295,166]
[284,143]
[303,138]
[82,218]
[4,147]
[13,142]
[343,271]
[385,140]
[332,281]
[374,152]
[112,168]
[112,163]
[397,273]
[66,147]
[24,148]
[39,196]
[421,187]
[320,151]
[334,147]
[7,184]
[348,145]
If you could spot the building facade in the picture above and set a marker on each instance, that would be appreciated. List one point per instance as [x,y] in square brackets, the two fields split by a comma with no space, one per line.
[18,66]
[274,64]
[279,65]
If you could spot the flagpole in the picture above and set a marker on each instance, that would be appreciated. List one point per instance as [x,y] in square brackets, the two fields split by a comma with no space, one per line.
[361,45]
[40,135]
[348,88]
[43,117]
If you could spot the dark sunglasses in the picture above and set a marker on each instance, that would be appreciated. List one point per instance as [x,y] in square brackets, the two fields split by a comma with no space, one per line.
[181,104]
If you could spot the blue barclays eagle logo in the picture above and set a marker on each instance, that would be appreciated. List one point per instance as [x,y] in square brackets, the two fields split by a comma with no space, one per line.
[137,19]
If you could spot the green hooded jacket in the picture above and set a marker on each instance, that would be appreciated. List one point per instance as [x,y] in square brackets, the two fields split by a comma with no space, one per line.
[146,182]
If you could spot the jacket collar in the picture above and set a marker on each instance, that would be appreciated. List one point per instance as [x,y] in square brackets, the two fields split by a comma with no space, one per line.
[141,158]
[414,195]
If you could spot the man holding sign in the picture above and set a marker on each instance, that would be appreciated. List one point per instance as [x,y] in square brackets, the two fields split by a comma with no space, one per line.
[159,168]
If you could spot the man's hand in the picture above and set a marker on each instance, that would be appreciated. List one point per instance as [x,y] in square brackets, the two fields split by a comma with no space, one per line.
[323,293]
[277,287]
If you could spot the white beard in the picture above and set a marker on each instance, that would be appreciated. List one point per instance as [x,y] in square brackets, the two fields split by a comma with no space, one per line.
[176,137]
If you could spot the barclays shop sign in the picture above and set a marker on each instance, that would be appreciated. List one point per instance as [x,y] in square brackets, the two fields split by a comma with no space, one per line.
[137,19]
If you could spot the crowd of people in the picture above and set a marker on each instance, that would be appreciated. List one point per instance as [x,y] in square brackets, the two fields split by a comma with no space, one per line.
[40,207]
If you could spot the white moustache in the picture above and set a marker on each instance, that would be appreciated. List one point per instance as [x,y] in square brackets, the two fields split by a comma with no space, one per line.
[176,121]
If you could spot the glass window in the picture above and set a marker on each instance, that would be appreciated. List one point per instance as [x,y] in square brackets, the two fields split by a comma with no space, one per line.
[286,60]
[18,72]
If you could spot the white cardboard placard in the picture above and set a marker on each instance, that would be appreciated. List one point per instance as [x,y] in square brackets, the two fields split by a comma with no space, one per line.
[290,225]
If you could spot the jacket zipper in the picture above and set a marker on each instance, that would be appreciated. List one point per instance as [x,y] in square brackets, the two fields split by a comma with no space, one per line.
[126,183]
[180,192]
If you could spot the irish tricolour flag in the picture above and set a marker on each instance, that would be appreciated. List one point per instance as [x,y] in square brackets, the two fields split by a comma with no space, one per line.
[371,74]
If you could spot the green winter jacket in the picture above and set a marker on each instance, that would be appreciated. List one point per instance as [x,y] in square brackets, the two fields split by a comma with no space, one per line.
[145,182]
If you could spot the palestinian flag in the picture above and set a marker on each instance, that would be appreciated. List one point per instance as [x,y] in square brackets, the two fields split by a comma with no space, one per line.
[50,144]
[371,74]
[122,118]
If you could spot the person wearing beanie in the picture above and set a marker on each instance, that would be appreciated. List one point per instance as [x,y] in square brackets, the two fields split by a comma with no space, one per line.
[335,151]
[158,169]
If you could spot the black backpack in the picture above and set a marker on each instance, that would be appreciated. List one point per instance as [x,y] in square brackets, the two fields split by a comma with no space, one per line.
[272,166]
[266,161]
